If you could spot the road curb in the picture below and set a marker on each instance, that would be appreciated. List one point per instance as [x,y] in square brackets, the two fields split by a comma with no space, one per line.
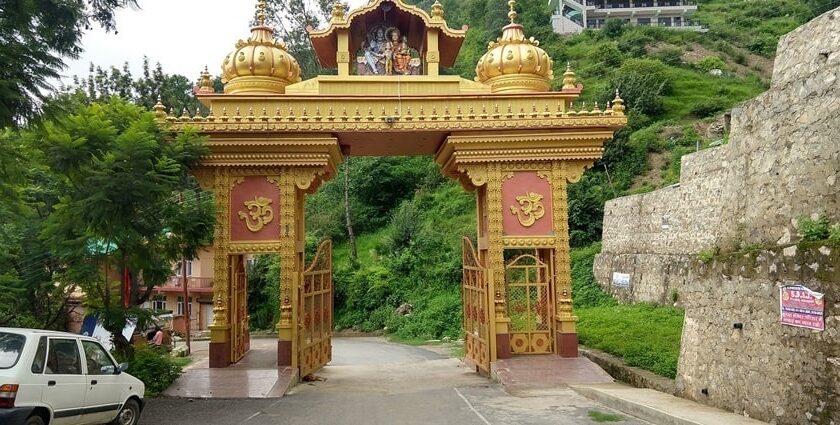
[659,408]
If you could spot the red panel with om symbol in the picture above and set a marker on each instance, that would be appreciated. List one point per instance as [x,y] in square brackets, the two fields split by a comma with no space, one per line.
[254,210]
[527,205]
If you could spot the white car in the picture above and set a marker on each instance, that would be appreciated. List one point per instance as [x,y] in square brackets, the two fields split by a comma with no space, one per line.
[57,378]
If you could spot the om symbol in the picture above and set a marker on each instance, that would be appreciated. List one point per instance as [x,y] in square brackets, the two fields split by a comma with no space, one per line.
[530,209]
[259,213]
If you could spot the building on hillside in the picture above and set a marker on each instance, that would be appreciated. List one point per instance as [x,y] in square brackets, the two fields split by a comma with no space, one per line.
[170,295]
[574,16]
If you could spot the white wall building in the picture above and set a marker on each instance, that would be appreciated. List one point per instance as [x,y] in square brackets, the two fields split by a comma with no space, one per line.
[573,16]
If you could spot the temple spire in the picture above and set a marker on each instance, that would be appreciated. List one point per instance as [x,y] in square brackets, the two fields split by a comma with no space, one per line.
[512,15]
[261,14]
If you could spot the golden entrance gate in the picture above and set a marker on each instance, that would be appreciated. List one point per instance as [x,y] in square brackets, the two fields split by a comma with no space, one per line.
[316,309]
[512,136]
[475,296]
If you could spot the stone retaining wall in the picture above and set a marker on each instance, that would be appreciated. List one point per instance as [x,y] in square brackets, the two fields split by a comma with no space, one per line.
[782,163]
[769,371]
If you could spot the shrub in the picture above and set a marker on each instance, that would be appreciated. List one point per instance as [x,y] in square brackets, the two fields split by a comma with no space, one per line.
[608,55]
[586,292]
[740,58]
[814,230]
[707,108]
[155,367]
[671,55]
[834,236]
[707,255]
[642,83]
[613,28]
[634,42]
[711,62]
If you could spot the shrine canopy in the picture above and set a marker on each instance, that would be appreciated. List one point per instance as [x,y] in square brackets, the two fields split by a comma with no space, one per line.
[432,42]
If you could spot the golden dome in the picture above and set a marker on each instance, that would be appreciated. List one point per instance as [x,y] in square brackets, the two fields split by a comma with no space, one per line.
[261,64]
[513,63]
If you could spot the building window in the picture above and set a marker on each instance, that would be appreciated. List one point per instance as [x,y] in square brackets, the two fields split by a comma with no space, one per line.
[678,21]
[179,306]
[664,22]
[159,302]
[178,268]
[643,22]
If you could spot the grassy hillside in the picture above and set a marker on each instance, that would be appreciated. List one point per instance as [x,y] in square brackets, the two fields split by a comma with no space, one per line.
[410,219]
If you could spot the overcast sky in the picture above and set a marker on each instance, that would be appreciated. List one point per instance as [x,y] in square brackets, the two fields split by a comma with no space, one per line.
[183,35]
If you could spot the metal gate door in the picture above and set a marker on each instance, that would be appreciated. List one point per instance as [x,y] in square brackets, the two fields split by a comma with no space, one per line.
[240,332]
[529,305]
[476,309]
[316,312]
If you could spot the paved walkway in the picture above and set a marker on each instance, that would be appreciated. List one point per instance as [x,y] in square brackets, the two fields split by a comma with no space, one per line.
[256,376]
[522,373]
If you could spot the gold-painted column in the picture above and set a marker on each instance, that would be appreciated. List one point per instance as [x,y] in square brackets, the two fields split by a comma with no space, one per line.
[220,343]
[289,270]
[433,52]
[343,54]
[566,343]
[496,258]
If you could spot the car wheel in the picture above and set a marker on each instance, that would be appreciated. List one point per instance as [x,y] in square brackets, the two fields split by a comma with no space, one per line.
[129,415]
[35,420]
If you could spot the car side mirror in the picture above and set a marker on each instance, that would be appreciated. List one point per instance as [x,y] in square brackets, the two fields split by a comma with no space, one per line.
[122,368]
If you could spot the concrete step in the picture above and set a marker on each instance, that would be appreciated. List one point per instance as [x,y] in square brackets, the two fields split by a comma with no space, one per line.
[659,408]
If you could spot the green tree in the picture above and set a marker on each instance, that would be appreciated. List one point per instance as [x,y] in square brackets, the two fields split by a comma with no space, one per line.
[173,90]
[290,19]
[128,204]
[35,37]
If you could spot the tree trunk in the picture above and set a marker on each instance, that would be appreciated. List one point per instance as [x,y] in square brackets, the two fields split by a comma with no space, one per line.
[354,256]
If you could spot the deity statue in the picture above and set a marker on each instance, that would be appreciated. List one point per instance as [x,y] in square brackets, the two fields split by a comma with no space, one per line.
[402,56]
[389,58]
[386,52]
[375,50]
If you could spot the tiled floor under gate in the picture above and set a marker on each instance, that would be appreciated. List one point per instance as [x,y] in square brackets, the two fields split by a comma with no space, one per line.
[256,376]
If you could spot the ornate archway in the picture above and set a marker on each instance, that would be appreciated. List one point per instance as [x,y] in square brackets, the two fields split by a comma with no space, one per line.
[505,136]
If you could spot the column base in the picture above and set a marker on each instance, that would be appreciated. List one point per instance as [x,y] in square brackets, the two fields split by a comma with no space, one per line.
[220,354]
[284,353]
[567,344]
[503,346]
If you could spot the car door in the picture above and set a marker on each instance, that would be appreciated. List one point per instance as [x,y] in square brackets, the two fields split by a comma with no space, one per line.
[64,381]
[104,393]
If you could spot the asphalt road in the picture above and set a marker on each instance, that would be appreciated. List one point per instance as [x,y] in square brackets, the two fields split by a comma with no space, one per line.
[371,381]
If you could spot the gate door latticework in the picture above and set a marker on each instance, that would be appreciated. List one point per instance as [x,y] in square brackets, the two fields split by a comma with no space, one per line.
[476,309]
[316,309]
[240,332]
[529,305]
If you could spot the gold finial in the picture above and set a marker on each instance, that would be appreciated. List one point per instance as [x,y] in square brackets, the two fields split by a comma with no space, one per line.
[569,78]
[512,15]
[437,10]
[205,83]
[618,104]
[338,11]
[160,110]
[261,14]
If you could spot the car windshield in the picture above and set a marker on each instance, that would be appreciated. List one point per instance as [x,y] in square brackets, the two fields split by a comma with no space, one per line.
[11,345]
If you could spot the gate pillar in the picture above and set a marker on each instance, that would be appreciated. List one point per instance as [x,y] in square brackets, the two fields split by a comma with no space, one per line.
[259,183]
[520,179]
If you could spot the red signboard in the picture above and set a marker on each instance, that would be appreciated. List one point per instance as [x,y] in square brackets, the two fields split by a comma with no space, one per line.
[802,307]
